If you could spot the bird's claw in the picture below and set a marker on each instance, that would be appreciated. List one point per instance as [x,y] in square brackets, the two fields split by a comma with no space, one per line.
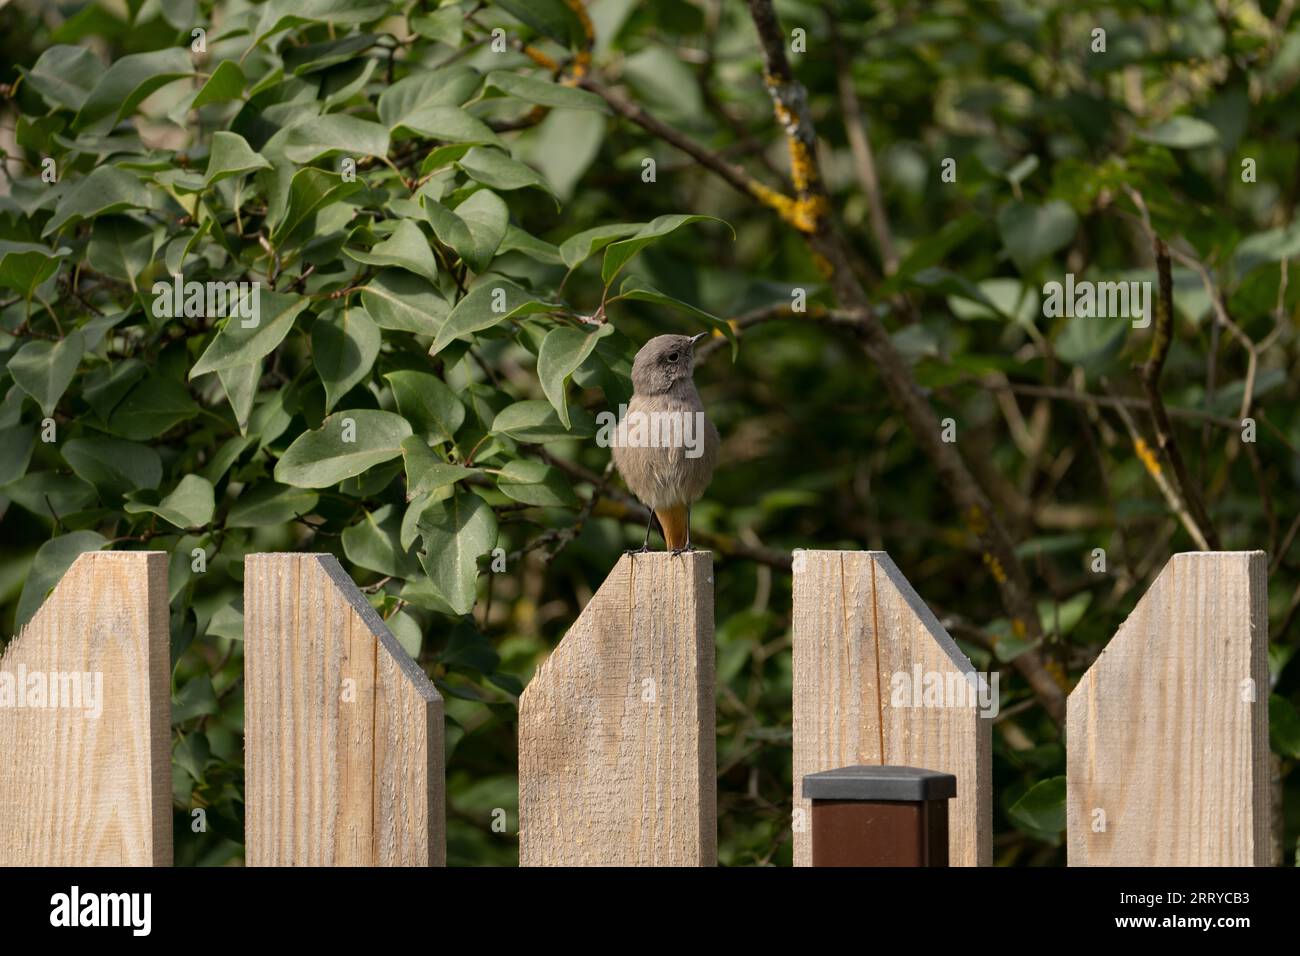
[644,549]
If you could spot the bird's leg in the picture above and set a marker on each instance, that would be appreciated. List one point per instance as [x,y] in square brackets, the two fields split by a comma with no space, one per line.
[689,547]
[645,546]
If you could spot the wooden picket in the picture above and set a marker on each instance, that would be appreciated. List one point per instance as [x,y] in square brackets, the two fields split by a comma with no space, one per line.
[1167,732]
[76,787]
[863,642]
[343,732]
[616,731]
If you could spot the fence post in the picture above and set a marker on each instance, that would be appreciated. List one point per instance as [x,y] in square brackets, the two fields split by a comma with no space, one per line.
[343,731]
[88,783]
[616,730]
[1167,733]
[877,680]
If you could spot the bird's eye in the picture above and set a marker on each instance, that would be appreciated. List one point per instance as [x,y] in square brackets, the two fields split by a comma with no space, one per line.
[673,356]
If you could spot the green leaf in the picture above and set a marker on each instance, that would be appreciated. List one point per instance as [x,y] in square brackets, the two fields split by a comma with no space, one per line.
[48,567]
[1284,726]
[334,133]
[433,410]
[1042,808]
[372,544]
[16,443]
[346,444]
[192,753]
[450,124]
[226,83]
[536,422]
[344,346]
[107,189]
[404,302]
[310,190]
[121,247]
[485,216]
[25,265]
[49,493]
[65,75]
[453,232]
[1090,341]
[530,89]
[240,385]
[425,472]
[403,626]
[235,345]
[563,350]
[449,86]
[231,156]
[620,253]
[536,483]
[634,287]
[456,533]
[278,15]
[195,699]
[444,26]
[493,168]
[517,240]
[151,408]
[563,147]
[1031,232]
[114,466]
[553,18]
[407,248]
[128,80]
[315,57]
[1061,618]
[492,300]
[228,620]
[190,505]
[267,504]
[1182,132]
[44,370]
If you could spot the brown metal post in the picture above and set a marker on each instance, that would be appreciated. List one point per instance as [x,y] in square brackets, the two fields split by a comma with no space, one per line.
[879,816]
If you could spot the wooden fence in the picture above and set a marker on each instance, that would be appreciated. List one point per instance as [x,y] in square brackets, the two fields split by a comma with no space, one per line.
[1167,732]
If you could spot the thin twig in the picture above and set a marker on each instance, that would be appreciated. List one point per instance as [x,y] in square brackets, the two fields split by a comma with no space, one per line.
[1161,340]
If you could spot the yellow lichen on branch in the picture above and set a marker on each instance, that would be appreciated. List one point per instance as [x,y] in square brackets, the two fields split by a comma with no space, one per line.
[581,64]
[540,58]
[810,206]
[1147,456]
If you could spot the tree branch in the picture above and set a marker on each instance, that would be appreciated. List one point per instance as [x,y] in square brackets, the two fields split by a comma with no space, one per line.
[999,554]
[1162,338]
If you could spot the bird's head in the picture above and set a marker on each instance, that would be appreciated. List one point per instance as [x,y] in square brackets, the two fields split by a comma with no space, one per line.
[663,362]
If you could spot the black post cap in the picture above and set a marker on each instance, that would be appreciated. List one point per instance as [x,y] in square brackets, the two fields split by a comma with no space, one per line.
[879,783]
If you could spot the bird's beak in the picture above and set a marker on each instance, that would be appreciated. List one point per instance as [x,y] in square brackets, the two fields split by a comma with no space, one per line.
[696,337]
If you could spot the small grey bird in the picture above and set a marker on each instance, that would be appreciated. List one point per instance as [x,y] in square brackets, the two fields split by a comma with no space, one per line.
[665,448]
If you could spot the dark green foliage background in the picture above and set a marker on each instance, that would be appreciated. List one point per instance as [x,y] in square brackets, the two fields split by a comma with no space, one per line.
[1046,135]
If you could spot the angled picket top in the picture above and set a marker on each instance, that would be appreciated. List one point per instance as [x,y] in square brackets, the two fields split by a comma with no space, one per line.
[343,732]
[866,652]
[617,761]
[85,720]
[1167,733]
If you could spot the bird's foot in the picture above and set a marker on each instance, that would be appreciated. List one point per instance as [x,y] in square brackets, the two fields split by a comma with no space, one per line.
[644,549]
[686,550]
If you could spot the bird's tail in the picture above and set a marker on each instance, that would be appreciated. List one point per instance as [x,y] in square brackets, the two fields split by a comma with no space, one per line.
[675,524]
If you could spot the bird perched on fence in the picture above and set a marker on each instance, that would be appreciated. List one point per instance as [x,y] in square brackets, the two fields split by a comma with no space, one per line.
[664,447]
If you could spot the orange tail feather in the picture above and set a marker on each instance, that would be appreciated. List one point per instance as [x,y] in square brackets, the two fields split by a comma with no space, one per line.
[675,525]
